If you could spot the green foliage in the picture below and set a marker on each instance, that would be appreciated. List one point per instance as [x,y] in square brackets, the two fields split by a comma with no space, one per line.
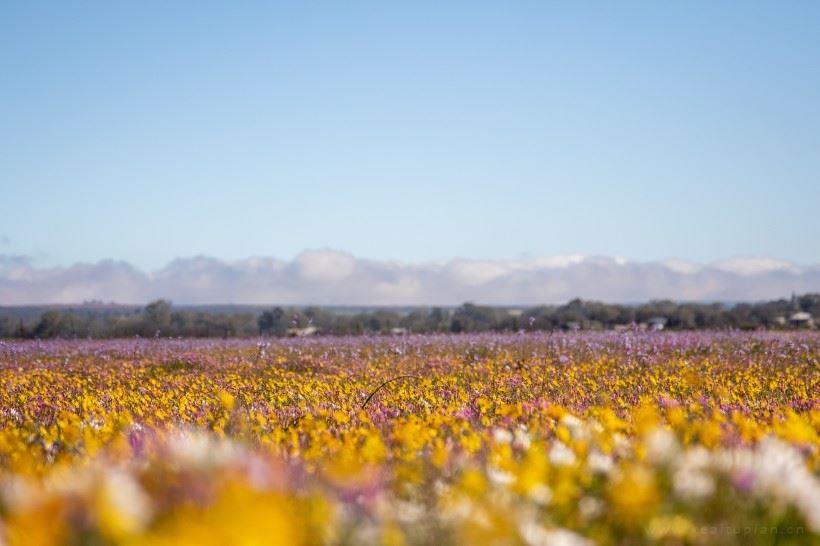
[161,319]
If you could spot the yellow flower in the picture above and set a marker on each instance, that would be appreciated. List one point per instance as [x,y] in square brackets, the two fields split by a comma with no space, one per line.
[633,494]
[227,400]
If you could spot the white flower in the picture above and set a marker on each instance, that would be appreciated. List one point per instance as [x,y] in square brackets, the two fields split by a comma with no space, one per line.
[661,446]
[560,454]
[776,469]
[780,469]
[621,445]
[499,476]
[571,422]
[536,535]
[521,439]
[127,500]
[502,436]
[18,493]
[589,507]
[690,479]
[692,484]
[697,457]
[576,427]
[540,494]
[599,462]
[408,512]
[197,450]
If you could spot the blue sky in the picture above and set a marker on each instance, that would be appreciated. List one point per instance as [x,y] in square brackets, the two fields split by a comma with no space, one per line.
[409,131]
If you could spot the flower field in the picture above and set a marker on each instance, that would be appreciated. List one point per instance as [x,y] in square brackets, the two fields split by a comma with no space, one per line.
[530,439]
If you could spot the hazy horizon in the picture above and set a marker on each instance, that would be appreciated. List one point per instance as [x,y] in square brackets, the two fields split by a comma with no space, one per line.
[329,277]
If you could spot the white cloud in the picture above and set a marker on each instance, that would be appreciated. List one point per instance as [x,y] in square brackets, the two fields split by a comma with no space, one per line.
[325,265]
[755,266]
[682,266]
[328,277]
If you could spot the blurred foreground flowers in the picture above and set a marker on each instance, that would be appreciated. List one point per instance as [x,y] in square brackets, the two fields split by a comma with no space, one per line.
[488,439]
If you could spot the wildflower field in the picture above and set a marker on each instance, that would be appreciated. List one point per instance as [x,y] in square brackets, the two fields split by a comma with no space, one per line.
[531,439]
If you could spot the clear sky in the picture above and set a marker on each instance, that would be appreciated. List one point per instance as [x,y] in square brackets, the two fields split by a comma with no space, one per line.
[145,131]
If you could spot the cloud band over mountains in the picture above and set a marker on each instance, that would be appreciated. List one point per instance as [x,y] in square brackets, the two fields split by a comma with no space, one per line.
[329,277]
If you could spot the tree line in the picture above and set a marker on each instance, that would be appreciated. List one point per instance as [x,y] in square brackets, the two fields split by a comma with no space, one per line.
[161,319]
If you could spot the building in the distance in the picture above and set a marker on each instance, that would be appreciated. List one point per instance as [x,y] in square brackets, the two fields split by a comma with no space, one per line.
[656,324]
[801,319]
[302,332]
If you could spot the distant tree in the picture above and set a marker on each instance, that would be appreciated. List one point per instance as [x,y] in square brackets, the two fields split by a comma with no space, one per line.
[473,318]
[438,319]
[159,318]
[272,322]
[65,324]
[51,324]
[156,318]
[9,327]
[425,320]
